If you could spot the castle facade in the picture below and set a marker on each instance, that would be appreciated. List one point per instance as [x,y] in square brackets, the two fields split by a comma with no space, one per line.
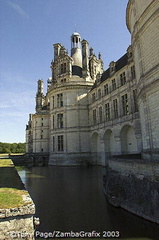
[88,114]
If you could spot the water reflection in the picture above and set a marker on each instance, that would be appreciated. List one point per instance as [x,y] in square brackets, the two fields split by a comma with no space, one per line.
[72,199]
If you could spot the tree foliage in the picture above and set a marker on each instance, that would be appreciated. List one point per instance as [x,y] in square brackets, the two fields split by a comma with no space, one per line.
[12,147]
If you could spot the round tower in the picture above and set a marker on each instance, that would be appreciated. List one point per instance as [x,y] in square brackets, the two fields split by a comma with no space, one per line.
[76,54]
[142,20]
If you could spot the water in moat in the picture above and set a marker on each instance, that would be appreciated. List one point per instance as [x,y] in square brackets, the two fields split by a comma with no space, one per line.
[72,199]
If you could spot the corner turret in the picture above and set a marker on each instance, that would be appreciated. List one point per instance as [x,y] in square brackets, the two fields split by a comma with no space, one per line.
[40,95]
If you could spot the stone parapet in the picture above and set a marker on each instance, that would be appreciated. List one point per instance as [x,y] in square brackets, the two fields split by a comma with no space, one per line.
[136,167]
[16,219]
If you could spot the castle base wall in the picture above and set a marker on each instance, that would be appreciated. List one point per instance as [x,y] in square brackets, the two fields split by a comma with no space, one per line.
[133,185]
[150,155]
[71,159]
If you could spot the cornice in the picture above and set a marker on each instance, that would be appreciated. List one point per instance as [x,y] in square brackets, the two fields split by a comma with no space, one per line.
[67,86]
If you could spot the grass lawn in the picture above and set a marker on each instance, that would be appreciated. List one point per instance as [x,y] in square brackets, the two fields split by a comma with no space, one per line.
[6,163]
[11,190]
[11,197]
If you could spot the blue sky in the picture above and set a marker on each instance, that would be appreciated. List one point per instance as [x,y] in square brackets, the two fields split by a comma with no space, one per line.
[29,28]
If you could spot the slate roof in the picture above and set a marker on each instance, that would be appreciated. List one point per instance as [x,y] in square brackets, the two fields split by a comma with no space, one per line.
[119,64]
[122,62]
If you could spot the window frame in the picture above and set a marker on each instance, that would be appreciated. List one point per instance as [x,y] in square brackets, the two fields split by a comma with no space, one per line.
[106,89]
[100,110]
[60,143]
[107,112]
[123,78]
[60,124]
[94,116]
[113,84]
[115,108]
[125,105]
[60,100]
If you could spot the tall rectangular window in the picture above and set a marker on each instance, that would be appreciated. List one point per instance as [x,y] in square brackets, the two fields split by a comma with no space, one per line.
[125,104]
[113,84]
[122,78]
[60,120]
[53,102]
[60,143]
[107,112]
[133,72]
[115,108]
[63,68]
[53,144]
[106,89]
[100,115]
[53,122]
[99,93]
[60,100]
[135,100]
[94,116]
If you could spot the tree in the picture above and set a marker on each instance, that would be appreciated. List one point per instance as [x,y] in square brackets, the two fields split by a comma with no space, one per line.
[12,147]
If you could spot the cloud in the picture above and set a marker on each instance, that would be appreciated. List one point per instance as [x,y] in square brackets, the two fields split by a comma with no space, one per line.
[18,9]
[16,106]
[4,106]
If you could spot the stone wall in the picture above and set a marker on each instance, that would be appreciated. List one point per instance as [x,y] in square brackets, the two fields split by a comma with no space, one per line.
[133,185]
[31,159]
[16,222]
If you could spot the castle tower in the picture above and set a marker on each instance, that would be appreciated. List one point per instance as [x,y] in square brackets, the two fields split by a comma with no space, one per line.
[142,21]
[76,54]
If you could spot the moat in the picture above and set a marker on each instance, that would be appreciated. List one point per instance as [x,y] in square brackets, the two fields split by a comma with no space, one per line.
[72,199]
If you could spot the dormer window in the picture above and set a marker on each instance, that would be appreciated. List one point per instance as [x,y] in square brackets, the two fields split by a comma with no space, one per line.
[129,53]
[112,67]
[133,72]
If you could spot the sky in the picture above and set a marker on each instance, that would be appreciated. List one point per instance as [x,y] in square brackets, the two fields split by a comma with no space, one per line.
[28,30]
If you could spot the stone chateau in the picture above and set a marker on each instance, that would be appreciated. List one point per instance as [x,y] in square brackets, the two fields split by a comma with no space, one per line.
[90,114]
